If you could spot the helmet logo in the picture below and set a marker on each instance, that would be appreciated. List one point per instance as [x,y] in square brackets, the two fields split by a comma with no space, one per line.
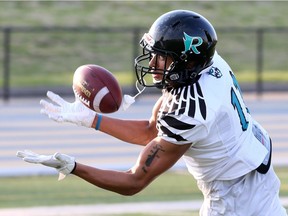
[191,43]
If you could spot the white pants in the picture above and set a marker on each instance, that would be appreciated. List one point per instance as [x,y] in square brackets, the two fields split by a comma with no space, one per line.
[254,194]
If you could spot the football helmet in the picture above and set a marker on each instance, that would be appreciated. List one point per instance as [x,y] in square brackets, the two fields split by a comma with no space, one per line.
[186,37]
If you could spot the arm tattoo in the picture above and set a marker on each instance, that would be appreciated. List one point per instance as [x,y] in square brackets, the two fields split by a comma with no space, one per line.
[152,156]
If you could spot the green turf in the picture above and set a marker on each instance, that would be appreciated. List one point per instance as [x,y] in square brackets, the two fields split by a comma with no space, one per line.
[138,13]
[49,58]
[47,191]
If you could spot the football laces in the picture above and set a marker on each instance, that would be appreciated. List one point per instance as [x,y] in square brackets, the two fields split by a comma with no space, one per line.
[81,98]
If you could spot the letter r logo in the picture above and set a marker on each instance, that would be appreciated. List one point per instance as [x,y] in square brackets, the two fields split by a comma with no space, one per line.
[191,43]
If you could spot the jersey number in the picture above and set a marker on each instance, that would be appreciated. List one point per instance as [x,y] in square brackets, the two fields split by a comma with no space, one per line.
[237,105]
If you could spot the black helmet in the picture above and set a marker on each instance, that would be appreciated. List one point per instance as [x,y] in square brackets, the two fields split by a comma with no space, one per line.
[186,37]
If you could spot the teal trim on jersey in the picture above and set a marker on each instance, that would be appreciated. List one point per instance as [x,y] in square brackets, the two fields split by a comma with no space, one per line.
[236,104]
[235,82]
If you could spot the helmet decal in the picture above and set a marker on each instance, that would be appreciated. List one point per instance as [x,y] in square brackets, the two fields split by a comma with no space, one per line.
[190,45]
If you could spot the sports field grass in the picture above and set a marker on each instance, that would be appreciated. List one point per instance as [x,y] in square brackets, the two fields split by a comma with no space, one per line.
[48,58]
[47,191]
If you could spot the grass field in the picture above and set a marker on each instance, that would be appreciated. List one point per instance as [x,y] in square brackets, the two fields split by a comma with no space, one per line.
[48,58]
[47,191]
[138,13]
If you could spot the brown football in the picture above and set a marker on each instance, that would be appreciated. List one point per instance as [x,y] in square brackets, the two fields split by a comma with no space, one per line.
[97,88]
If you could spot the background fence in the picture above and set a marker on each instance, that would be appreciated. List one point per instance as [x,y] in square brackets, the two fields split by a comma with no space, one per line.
[37,58]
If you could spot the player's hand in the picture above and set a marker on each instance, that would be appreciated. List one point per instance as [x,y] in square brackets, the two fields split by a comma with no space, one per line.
[64,164]
[63,111]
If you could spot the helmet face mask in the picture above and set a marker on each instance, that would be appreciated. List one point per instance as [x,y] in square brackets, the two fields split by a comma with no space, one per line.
[143,67]
[183,36]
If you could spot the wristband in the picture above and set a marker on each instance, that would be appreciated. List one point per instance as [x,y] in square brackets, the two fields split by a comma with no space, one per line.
[75,164]
[99,119]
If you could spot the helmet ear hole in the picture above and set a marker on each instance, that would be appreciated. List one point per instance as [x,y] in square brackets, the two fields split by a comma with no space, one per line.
[174,76]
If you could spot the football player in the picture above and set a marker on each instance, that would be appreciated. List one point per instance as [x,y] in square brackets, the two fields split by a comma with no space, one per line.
[201,117]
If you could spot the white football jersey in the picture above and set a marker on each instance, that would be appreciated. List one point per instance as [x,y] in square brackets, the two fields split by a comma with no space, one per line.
[211,115]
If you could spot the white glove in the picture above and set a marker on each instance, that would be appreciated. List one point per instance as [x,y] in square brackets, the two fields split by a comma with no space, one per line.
[64,164]
[64,111]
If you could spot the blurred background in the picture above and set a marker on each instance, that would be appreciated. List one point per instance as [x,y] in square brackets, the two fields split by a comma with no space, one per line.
[43,42]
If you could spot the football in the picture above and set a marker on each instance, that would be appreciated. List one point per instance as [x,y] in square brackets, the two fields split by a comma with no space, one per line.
[97,88]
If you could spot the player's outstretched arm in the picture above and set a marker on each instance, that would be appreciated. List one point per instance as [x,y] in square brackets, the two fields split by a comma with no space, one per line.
[138,132]
[157,157]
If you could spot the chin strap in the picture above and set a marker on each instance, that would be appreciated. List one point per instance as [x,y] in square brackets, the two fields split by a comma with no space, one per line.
[129,100]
